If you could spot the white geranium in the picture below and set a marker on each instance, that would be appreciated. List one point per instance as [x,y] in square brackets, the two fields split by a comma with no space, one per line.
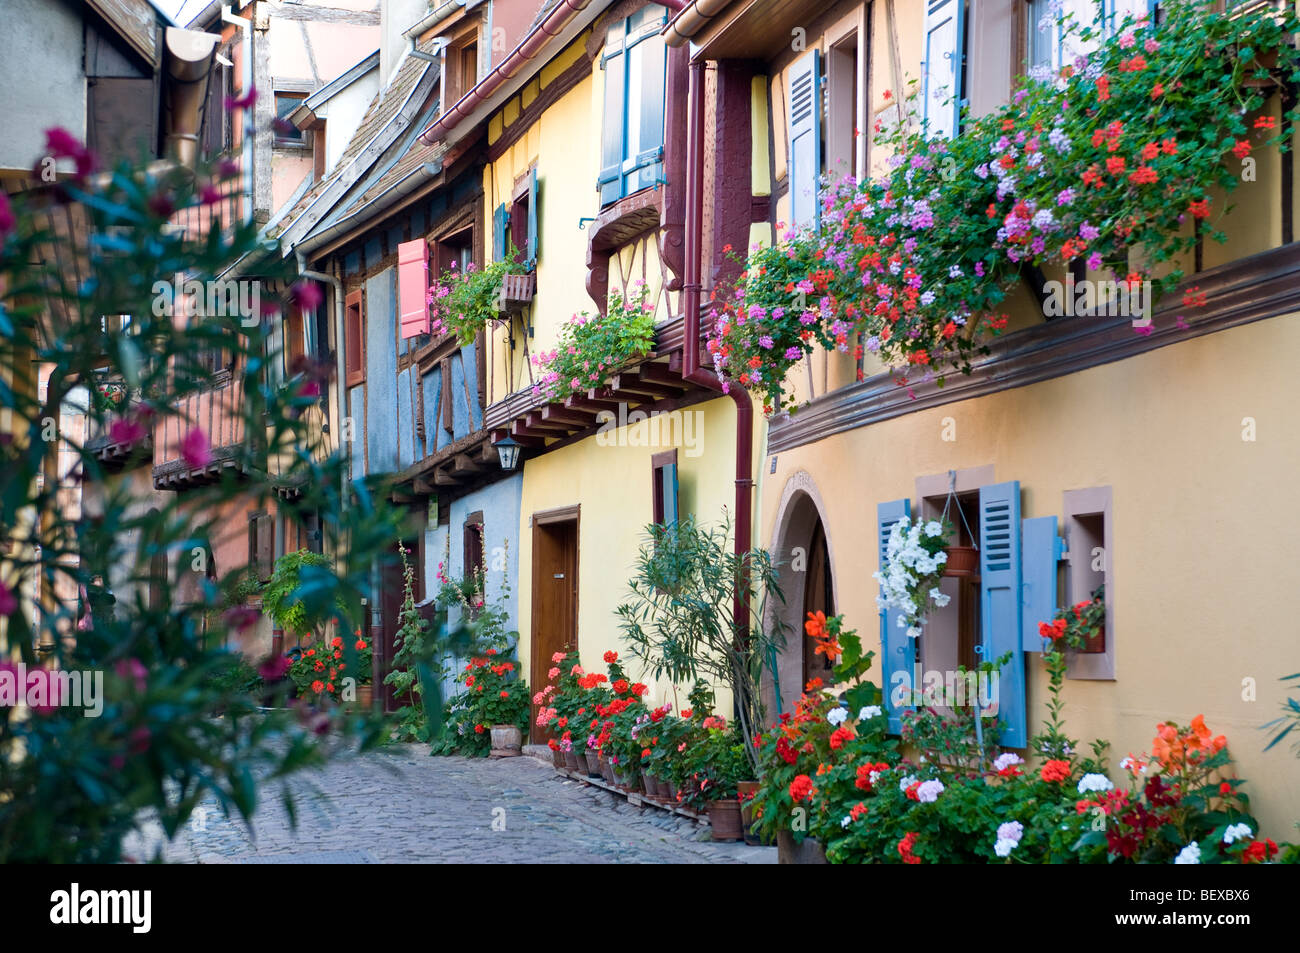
[1006,760]
[1095,782]
[837,716]
[909,579]
[1191,854]
[1237,832]
[1008,838]
[929,791]
[871,711]
[1003,847]
[907,782]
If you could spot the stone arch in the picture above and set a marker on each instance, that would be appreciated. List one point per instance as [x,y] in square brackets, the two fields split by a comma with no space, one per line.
[800,514]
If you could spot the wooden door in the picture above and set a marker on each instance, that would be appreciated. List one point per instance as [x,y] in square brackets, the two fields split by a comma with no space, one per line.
[817,597]
[391,595]
[555,599]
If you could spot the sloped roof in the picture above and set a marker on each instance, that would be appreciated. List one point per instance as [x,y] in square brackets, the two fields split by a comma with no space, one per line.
[392,111]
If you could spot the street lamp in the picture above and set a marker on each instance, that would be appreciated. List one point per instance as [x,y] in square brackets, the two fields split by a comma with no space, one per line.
[508,450]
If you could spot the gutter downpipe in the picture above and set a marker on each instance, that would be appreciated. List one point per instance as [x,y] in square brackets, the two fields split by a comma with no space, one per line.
[691,370]
[246,83]
[341,377]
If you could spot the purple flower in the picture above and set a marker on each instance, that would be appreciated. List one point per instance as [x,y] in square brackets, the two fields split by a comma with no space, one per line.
[1087,232]
[793,353]
[1094,262]
[1065,197]
[765,342]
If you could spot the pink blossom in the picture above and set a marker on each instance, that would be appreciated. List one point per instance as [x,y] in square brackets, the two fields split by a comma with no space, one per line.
[306,294]
[6,216]
[273,667]
[244,101]
[132,670]
[194,448]
[8,604]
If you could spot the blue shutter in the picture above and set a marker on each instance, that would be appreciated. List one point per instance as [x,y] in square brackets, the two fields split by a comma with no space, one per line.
[805,141]
[945,42]
[1000,603]
[896,649]
[668,473]
[500,219]
[1041,550]
[614,63]
[533,250]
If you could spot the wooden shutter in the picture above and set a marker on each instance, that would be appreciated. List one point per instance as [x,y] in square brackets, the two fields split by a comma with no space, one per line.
[896,649]
[944,40]
[355,337]
[646,59]
[413,287]
[532,250]
[614,123]
[261,542]
[1041,550]
[805,140]
[500,221]
[1000,603]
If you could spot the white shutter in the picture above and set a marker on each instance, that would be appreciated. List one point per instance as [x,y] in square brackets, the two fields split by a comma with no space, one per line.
[945,30]
[805,140]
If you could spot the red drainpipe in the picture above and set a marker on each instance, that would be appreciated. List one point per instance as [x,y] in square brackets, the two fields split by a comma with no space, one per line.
[691,370]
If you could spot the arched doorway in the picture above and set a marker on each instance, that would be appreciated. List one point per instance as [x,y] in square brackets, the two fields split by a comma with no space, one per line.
[803,547]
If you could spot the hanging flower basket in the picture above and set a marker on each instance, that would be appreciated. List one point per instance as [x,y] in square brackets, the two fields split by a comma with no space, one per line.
[963,561]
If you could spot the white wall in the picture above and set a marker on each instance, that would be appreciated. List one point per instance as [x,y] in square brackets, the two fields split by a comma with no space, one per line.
[41,79]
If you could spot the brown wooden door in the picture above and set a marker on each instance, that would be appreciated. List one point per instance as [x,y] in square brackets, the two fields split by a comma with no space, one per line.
[818,596]
[555,600]
[391,595]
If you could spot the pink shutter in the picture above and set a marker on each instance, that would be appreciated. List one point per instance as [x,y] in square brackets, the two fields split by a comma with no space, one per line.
[412,287]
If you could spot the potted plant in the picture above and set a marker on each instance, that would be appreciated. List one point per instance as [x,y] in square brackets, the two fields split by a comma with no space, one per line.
[463,301]
[719,762]
[915,556]
[592,347]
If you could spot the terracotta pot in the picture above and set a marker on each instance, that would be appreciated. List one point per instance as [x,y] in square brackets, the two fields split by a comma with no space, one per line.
[1096,645]
[724,819]
[571,761]
[745,790]
[365,700]
[557,759]
[593,763]
[962,561]
[507,741]
[809,851]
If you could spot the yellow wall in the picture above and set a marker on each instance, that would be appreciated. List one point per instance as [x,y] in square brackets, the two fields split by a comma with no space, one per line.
[612,485]
[1203,541]
[565,143]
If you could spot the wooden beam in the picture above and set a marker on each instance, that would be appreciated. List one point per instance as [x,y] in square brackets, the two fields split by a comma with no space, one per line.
[521,432]
[633,382]
[591,404]
[443,478]
[534,421]
[423,486]
[465,465]
[565,415]
[662,374]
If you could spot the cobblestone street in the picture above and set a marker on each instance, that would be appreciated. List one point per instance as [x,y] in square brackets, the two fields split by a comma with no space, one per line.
[401,806]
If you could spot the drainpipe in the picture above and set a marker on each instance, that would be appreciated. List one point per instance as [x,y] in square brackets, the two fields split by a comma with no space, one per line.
[246,147]
[691,370]
[341,378]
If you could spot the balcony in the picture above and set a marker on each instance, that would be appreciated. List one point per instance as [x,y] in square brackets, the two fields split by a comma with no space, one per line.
[218,412]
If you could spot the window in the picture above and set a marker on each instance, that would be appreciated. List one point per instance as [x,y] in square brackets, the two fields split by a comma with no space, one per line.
[514,226]
[1088,535]
[840,109]
[1014,588]
[804,117]
[664,487]
[632,137]
[475,566]
[460,68]
[285,132]
[354,321]
[216,118]
[943,64]
[412,288]
[468,67]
